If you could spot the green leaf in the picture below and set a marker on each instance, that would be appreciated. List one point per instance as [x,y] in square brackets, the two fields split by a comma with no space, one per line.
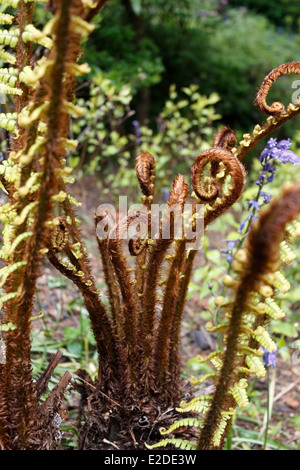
[285,328]
[296,421]
[233,236]
[75,348]
[201,273]
[248,435]
[199,366]
[213,98]
[215,273]
[213,255]
[56,282]
[71,333]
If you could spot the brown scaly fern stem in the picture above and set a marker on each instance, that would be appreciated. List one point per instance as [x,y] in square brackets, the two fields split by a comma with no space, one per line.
[24,55]
[22,421]
[217,200]
[78,269]
[145,172]
[101,325]
[93,11]
[17,375]
[159,249]
[263,257]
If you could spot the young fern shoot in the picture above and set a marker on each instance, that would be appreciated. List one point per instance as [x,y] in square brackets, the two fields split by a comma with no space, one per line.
[33,178]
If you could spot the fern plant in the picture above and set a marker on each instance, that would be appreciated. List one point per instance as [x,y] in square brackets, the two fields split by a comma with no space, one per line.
[257,281]
[141,371]
[34,178]
[137,331]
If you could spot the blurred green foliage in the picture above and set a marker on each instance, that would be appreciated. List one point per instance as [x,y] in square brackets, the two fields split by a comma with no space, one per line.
[142,49]
[281,13]
[243,49]
[109,137]
[153,44]
[99,131]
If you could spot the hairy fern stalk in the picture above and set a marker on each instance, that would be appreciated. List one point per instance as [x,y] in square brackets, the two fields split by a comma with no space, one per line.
[257,280]
[138,334]
[33,178]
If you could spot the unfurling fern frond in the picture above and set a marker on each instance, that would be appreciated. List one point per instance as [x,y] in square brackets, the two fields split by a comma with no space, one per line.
[7,270]
[9,76]
[239,393]
[178,443]
[34,177]
[8,121]
[225,417]
[32,34]
[199,404]
[9,37]
[5,18]
[184,422]
[9,90]
[7,56]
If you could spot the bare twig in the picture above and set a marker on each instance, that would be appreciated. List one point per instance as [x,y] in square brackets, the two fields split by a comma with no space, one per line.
[42,383]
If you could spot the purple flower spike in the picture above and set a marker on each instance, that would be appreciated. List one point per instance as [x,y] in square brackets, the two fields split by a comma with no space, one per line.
[165,194]
[266,196]
[274,153]
[261,179]
[277,151]
[287,156]
[230,244]
[138,131]
[284,144]
[271,177]
[269,358]
[254,204]
[271,143]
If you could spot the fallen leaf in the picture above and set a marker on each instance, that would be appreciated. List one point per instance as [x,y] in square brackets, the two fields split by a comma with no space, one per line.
[291,402]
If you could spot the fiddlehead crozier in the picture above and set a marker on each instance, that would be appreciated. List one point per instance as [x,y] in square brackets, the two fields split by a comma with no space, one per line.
[277,107]
[145,171]
[214,189]
[277,112]
[219,195]
[225,138]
